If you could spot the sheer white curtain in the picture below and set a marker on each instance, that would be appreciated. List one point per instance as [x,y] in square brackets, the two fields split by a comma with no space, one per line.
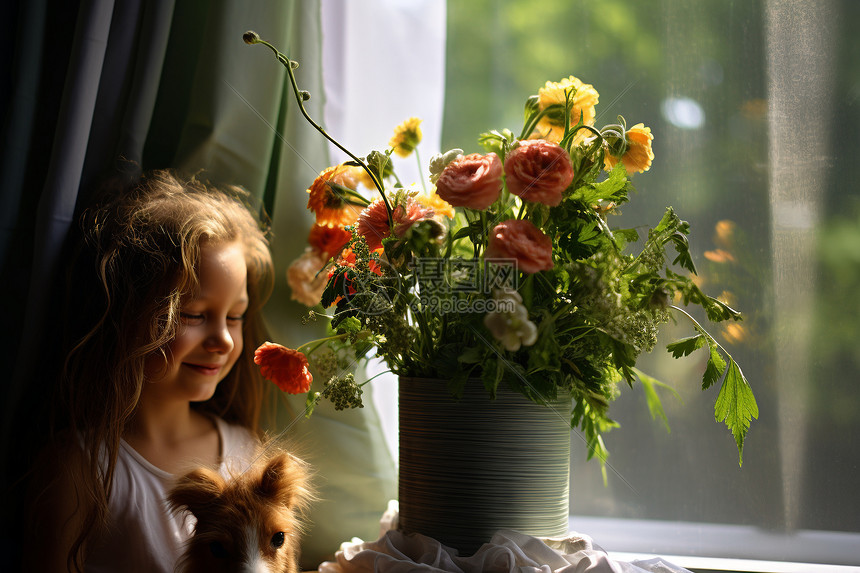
[801,79]
[384,62]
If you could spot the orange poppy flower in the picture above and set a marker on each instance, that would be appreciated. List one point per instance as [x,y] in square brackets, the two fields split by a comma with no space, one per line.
[329,205]
[328,240]
[286,367]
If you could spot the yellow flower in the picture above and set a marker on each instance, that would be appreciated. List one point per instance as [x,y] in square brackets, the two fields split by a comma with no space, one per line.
[439,205]
[407,136]
[551,126]
[363,177]
[638,155]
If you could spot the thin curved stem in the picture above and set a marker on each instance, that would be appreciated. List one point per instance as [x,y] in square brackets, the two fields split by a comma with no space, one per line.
[699,327]
[300,98]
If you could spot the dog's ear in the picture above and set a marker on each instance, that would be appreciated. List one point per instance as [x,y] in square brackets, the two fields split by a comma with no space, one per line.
[284,480]
[196,491]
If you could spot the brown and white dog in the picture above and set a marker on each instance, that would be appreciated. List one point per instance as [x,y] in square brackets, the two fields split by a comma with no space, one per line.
[248,524]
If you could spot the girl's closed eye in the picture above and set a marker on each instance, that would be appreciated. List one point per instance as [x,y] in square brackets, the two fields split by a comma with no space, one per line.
[191,317]
[197,318]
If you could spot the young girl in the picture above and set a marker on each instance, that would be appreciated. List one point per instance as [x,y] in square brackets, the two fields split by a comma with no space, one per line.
[160,377]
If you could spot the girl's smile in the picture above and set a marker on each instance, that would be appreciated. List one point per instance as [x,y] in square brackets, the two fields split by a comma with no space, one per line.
[206,369]
[209,338]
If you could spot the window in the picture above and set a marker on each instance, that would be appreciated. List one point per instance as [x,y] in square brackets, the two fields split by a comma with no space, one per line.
[752,105]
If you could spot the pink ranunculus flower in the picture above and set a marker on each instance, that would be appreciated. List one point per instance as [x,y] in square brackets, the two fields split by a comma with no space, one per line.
[538,171]
[286,367]
[373,221]
[523,242]
[473,181]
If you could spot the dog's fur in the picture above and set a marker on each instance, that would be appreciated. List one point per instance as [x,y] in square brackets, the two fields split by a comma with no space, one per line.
[250,523]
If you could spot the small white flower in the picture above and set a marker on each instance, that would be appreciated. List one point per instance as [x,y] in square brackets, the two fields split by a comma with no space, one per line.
[441,160]
[509,323]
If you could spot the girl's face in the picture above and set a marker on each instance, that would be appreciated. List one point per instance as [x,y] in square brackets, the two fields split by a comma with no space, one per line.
[209,339]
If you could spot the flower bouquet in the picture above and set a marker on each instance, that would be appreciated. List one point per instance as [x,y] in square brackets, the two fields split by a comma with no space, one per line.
[504,267]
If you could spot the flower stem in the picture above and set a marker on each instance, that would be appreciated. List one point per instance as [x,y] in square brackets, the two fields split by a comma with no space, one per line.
[698,326]
[420,172]
[377,375]
[522,209]
[320,341]
[300,98]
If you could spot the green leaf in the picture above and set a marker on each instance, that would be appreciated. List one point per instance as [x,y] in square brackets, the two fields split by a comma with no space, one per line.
[624,359]
[311,402]
[496,141]
[682,247]
[627,235]
[718,311]
[350,325]
[614,188]
[672,228]
[655,406]
[715,369]
[686,346]
[336,286]
[582,241]
[736,406]
[492,374]
[380,163]
[473,230]
[472,355]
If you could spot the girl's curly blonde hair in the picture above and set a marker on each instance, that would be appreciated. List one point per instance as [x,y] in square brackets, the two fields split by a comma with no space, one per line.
[138,259]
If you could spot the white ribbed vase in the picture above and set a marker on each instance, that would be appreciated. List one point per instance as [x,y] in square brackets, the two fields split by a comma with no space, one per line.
[471,467]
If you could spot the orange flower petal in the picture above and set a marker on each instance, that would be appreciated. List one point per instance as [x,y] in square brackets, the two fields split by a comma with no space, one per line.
[327,204]
[639,154]
[328,240]
[286,367]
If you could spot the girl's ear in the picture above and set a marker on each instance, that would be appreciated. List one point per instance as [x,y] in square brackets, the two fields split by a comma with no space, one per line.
[196,491]
[284,480]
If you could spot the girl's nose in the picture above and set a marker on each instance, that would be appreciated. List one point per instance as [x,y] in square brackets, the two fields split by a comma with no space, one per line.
[219,340]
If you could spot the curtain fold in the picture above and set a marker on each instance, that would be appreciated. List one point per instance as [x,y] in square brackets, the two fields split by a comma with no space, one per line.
[171,84]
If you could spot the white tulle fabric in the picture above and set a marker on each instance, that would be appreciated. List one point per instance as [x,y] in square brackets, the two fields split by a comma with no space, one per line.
[506,552]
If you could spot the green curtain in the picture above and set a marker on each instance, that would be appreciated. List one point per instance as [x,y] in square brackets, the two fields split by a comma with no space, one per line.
[172,84]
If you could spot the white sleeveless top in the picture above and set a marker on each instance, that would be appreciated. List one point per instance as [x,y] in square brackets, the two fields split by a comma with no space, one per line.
[142,536]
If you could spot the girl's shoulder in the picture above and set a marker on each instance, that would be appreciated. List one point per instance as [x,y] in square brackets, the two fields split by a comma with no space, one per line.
[239,446]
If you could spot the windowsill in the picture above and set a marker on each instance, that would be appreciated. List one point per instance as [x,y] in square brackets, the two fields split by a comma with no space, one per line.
[713,547]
